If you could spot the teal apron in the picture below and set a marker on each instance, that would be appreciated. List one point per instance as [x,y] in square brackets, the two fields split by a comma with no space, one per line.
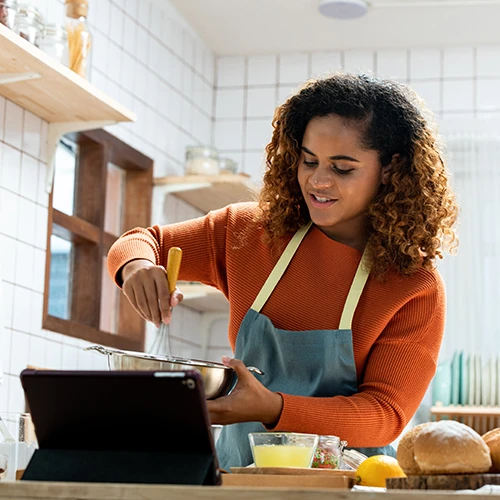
[307,363]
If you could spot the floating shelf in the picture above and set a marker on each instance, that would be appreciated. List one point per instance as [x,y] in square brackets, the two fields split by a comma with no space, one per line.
[69,103]
[209,192]
[33,80]
[203,298]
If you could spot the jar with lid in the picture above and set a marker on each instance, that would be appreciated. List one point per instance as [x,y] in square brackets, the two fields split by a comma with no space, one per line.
[29,23]
[328,453]
[54,42]
[201,160]
[8,10]
[227,166]
[79,39]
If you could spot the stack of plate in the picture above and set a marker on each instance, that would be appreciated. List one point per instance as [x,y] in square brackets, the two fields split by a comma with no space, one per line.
[467,380]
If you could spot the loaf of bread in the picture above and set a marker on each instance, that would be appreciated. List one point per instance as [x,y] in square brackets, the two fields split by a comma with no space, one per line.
[492,440]
[404,453]
[449,447]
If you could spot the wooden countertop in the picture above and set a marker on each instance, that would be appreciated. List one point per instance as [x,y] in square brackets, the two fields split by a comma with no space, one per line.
[28,490]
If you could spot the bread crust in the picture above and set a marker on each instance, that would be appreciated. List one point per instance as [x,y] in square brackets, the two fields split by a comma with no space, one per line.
[449,447]
[492,440]
[405,453]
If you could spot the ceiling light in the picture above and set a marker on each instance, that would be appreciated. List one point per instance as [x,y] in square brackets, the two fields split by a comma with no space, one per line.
[343,9]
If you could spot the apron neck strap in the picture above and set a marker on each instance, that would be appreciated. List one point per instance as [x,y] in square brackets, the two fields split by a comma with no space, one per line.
[280,268]
[355,291]
[357,287]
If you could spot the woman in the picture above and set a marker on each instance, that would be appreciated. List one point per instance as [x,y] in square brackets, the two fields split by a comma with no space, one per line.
[330,276]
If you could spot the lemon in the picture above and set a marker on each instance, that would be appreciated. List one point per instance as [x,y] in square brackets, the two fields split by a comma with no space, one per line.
[375,470]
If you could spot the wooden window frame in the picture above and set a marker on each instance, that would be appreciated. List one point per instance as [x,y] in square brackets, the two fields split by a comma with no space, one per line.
[98,148]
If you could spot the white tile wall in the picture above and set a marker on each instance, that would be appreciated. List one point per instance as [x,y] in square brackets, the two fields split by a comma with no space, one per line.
[146,56]
[454,81]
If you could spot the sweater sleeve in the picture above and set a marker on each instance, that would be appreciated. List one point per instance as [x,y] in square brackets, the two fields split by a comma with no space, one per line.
[202,240]
[398,371]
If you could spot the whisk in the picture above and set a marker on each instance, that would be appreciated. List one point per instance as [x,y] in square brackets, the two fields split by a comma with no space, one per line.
[161,345]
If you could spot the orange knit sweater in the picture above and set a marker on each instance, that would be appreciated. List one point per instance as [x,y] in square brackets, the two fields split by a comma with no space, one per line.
[397,327]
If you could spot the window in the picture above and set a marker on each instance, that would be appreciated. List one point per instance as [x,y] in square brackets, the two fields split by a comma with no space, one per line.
[102,188]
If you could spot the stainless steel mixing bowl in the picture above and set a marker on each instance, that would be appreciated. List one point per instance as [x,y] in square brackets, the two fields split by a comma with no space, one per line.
[218,379]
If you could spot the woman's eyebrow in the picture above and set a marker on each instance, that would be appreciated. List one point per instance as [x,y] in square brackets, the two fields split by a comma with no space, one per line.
[336,157]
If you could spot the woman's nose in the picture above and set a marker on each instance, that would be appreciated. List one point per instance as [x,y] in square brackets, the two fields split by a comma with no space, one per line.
[321,178]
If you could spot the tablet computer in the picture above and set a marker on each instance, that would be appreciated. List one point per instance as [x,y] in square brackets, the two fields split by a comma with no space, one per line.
[120,426]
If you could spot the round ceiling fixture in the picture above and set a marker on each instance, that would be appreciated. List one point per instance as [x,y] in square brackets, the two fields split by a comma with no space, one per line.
[343,9]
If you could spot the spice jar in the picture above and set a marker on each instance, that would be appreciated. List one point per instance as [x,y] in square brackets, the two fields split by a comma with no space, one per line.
[328,453]
[201,160]
[227,166]
[29,23]
[54,42]
[79,40]
[8,10]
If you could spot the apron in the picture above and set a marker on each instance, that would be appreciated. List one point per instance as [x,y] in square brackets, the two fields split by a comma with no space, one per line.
[307,363]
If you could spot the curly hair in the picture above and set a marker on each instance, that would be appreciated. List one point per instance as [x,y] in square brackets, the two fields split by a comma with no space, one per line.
[412,216]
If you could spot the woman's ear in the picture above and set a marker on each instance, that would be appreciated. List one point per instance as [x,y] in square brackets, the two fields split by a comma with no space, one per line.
[389,168]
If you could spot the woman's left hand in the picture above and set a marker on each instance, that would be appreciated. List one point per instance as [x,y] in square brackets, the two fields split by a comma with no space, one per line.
[249,401]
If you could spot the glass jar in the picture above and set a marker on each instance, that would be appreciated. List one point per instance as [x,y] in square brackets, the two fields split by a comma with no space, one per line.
[17,444]
[79,40]
[227,166]
[328,453]
[54,42]
[201,160]
[8,10]
[29,23]
[352,459]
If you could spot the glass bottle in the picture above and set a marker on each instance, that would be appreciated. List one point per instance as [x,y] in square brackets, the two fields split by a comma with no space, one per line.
[54,42]
[8,10]
[79,40]
[29,23]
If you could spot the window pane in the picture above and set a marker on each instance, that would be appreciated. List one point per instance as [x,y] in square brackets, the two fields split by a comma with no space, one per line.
[110,302]
[60,277]
[64,178]
[115,189]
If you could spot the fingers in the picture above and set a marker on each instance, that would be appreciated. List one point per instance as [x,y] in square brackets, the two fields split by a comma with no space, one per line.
[237,365]
[147,290]
[176,297]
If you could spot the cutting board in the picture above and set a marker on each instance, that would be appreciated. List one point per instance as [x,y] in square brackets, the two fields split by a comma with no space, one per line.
[442,482]
[293,471]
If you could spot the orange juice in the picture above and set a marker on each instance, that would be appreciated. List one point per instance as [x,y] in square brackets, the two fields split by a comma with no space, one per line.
[269,455]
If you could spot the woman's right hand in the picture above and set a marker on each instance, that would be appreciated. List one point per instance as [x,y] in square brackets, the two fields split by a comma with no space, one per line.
[146,287]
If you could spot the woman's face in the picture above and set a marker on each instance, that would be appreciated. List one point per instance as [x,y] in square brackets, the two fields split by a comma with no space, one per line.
[338,178]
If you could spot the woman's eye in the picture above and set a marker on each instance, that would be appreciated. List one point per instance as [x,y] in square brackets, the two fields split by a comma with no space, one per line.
[310,163]
[341,171]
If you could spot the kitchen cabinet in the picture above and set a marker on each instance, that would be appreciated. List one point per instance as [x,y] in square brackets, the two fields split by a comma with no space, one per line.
[69,103]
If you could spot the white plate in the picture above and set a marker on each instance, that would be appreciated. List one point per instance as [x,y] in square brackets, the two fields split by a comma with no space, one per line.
[486,381]
[464,379]
[478,374]
[455,379]
[472,378]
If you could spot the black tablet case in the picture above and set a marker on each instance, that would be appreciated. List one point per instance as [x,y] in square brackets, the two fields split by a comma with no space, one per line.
[120,427]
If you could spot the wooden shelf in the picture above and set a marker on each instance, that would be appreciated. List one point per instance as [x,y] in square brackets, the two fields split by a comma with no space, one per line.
[466,410]
[203,298]
[38,83]
[209,192]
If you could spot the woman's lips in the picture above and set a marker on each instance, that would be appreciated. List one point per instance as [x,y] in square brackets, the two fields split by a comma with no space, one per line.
[320,201]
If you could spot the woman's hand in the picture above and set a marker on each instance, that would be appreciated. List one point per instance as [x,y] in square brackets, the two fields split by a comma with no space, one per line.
[146,287]
[249,401]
